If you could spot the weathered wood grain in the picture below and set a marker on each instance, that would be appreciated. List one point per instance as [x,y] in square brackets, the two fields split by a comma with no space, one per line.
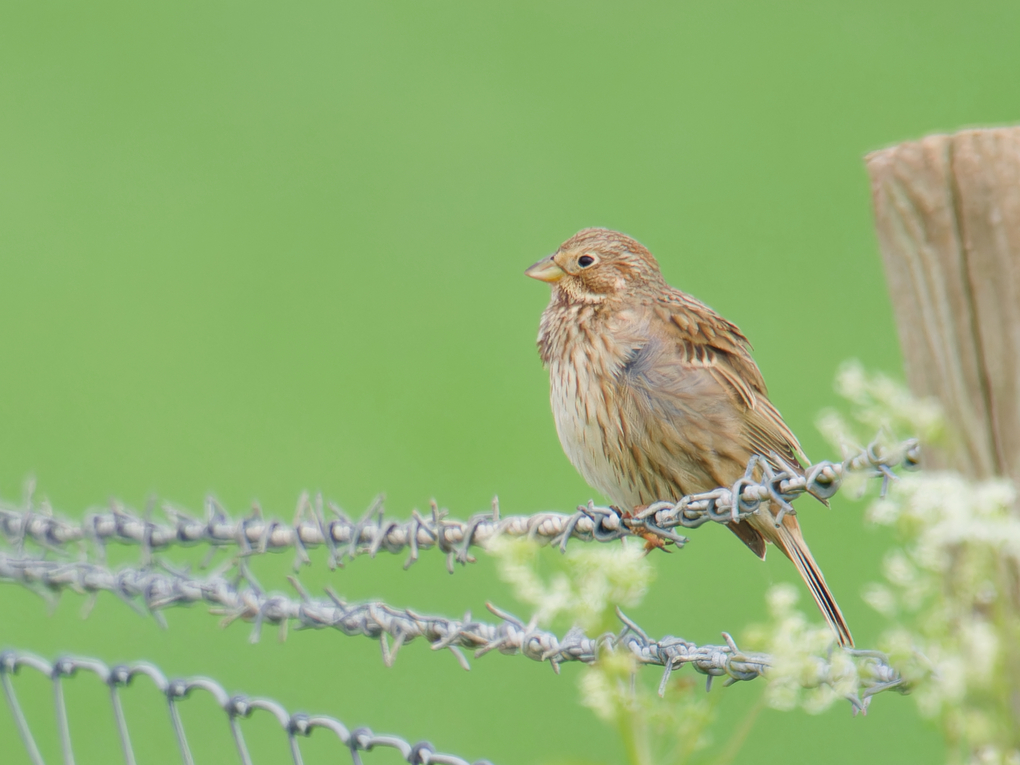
[947,213]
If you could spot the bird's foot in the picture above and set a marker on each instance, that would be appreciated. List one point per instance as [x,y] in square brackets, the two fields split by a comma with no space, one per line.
[652,540]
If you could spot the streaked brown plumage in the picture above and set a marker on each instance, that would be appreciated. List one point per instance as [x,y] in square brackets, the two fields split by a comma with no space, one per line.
[655,395]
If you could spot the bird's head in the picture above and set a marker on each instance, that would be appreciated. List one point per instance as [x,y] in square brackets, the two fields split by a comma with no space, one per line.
[596,265]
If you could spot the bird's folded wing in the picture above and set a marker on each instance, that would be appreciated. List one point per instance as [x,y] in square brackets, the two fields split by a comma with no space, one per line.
[705,339]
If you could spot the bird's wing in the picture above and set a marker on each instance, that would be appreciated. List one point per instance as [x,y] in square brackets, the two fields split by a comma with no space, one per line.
[708,340]
[704,339]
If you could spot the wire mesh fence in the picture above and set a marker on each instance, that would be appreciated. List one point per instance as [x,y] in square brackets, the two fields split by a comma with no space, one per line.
[235,707]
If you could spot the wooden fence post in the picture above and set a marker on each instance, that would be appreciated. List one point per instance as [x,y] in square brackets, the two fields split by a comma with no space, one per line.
[947,211]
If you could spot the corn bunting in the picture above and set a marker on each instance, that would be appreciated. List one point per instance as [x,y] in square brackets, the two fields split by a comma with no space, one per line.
[655,395]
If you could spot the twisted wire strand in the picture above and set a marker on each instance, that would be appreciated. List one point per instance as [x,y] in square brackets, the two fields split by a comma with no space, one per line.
[151,591]
[346,539]
[235,707]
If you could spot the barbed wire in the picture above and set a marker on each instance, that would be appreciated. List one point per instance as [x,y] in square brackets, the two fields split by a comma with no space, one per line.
[235,707]
[151,591]
[346,539]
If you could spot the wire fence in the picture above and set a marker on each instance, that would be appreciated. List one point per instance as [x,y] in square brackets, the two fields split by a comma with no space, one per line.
[151,591]
[235,708]
[346,539]
[50,554]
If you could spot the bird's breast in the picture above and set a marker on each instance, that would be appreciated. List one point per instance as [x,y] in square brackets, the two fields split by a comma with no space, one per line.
[585,371]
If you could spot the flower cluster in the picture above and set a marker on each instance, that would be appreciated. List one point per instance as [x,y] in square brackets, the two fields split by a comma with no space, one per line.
[585,587]
[951,589]
[590,583]
[952,584]
[807,670]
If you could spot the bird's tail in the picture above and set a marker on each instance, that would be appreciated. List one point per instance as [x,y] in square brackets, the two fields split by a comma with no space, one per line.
[789,539]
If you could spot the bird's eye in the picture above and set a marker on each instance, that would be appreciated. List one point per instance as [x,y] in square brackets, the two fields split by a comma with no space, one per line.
[585,260]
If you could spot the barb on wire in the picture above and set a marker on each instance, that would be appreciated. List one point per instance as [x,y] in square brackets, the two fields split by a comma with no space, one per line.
[151,591]
[235,707]
[346,539]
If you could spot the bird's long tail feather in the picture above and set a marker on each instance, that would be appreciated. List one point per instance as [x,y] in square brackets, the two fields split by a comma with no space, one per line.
[791,542]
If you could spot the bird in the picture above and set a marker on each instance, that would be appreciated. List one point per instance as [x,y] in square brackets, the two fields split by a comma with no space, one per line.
[656,396]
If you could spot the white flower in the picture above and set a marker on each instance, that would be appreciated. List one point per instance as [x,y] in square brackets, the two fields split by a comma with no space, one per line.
[881,598]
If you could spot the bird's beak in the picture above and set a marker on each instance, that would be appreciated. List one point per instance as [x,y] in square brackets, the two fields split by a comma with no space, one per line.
[546,270]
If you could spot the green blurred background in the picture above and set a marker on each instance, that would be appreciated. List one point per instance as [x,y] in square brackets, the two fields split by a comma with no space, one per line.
[253,248]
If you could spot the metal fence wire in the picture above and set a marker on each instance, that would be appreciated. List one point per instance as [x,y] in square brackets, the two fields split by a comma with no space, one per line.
[241,598]
[235,707]
[50,554]
[346,538]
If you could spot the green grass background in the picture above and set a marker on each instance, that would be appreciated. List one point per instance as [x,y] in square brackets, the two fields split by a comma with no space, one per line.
[253,248]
